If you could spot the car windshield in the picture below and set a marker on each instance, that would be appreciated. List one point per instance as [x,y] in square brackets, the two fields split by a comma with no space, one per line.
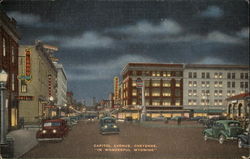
[109,121]
[234,124]
[48,124]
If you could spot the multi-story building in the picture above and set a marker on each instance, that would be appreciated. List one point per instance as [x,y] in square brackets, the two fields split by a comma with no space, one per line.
[9,39]
[207,86]
[61,85]
[37,83]
[182,89]
[163,88]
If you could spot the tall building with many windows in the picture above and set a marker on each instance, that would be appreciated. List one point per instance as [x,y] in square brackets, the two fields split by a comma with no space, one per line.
[9,39]
[207,86]
[178,89]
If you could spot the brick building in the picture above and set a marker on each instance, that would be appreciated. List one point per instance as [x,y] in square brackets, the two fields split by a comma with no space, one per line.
[9,39]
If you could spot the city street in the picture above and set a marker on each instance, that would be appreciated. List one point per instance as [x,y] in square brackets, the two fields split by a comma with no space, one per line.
[150,141]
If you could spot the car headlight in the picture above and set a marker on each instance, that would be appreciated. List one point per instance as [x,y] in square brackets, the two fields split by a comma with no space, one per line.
[54,131]
[105,126]
[115,126]
[44,131]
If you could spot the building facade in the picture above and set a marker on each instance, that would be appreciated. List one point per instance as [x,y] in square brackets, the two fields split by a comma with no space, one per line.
[207,86]
[61,85]
[37,83]
[163,88]
[182,89]
[9,43]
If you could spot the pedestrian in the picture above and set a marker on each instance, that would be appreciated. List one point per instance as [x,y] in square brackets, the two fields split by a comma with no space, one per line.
[179,120]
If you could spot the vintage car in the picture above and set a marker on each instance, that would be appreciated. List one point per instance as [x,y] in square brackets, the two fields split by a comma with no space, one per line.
[244,139]
[223,130]
[55,129]
[108,126]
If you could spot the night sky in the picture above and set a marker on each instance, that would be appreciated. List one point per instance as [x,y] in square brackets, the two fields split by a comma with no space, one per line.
[96,39]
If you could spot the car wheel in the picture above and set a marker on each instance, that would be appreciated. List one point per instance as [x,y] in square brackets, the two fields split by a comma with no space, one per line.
[240,143]
[205,137]
[221,139]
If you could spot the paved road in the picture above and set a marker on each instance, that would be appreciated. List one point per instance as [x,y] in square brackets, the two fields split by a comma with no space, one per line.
[84,141]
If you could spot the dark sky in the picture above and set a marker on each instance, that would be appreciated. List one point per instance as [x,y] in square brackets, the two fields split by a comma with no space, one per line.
[97,38]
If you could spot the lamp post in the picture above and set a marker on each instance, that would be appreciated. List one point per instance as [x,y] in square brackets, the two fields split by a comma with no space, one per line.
[3,81]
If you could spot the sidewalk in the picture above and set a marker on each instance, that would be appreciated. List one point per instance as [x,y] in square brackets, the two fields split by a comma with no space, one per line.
[24,140]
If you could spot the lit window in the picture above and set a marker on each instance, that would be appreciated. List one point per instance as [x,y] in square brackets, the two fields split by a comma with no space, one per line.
[220,92]
[215,84]
[177,84]
[134,83]
[166,94]
[156,103]
[215,75]
[166,84]
[220,74]
[168,74]
[190,102]
[189,92]
[177,102]
[220,84]
[4,47]
[220,102]
[166,103]
[203,84]
[156,83]
[23,87]
[195,92]
[134,103]
[155,94]
[153,74]
[158,74]
[190,84]
[194,102]
[207,84]
[215,102]
[215,92]
[164,74]
[194,83]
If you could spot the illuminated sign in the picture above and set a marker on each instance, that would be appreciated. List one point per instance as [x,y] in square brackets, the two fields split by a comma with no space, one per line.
[49,85]
[116,88]
[27,75]
[25,98]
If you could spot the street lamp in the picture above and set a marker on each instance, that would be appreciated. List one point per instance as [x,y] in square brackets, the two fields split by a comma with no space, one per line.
[3,81]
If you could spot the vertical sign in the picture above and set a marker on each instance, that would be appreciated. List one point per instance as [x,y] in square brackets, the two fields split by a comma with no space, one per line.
[27,65]
[116,88]
[49,85]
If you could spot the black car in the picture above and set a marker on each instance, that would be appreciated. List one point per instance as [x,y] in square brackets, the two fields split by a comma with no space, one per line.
[244,140]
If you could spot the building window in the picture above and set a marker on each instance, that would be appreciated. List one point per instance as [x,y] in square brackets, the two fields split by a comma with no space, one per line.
[189,92]
[241,84]
[194,102]
[155,103]
[153,74]
[216,84]
[158,74]
[246,75]
[241,75]
[233,75]
[13,82]
[12,54]
[228,93]
[134,92]
[190,102]
[4,47]
[207,75]
[220,74]
[190,75]
[147,83]
[216,75]
[207,84]
[195,83]
[190,83]
[164,74]
[220,93]
[246,84]
[155,92]
[195,92]
[168,74]
[233,84]
[233,93]
[195,75]
[215,102]
[166,84]
[220,102]
[220,84]
[177,92]
[203,75]
[166,103]
[177,102]
[23,86]
[203,84]
[166,92]
[215,92]
[134,83]
[177,83]
[146,92]
[229,75]
[134,102]
[228,84]
[156,83]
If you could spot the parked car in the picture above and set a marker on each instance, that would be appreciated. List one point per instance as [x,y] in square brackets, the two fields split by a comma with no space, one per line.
[159,118]
[223,130]
[210,122]
[107,125]
[55,129]
[244,139]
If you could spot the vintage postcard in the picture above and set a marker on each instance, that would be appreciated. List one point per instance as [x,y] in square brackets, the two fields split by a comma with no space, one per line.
[124,79]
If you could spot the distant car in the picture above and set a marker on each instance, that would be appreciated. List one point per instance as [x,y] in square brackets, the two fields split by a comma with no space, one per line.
[55,129]
[159,118]
[223,130]
[107,125]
